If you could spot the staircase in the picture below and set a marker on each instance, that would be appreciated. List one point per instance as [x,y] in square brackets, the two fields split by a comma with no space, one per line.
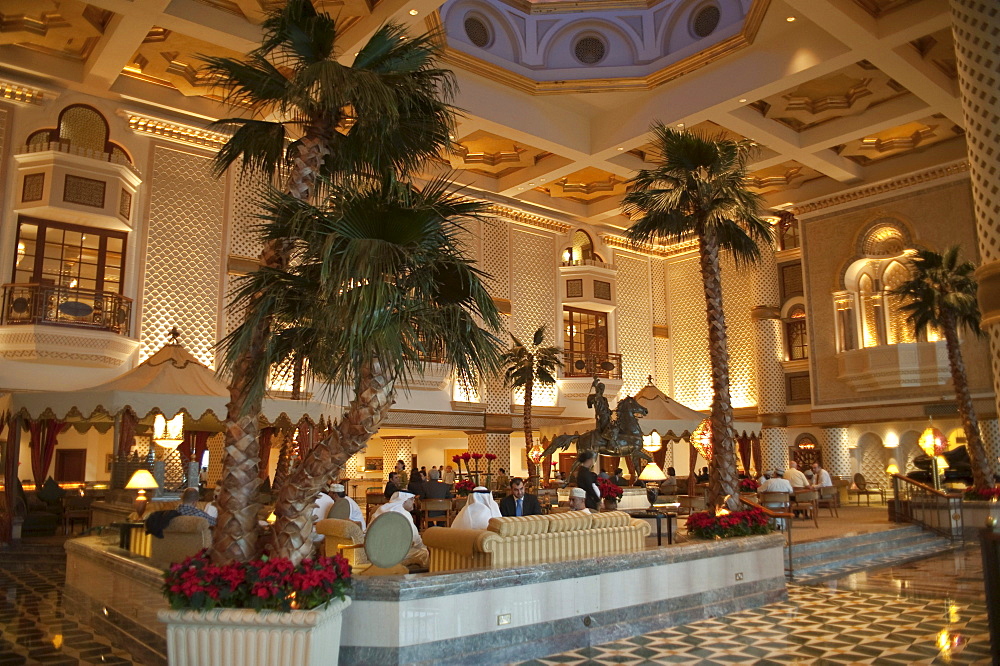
[816,561]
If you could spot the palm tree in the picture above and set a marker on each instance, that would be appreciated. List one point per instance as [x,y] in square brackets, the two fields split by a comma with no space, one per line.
[526,364]
[306,118]
[378,282]
[699,190]
[941,294]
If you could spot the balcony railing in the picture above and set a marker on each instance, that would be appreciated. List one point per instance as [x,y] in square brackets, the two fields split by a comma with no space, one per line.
[62,306]
[588,364]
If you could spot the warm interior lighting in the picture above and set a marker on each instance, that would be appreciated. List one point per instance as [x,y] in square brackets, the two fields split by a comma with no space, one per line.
[414,12]
[535,452]
[652,472]
[168,434]
[142,481]
[932,441]
[652,442]
[701,439]
[790,19]
[892,469]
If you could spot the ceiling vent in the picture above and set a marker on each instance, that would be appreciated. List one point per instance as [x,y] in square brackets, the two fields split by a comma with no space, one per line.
[589,50]
[706,21]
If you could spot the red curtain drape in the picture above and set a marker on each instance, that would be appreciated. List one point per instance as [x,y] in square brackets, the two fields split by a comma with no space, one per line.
[266,434]
[10,463]
[743,443]
[195,444]
[126,432]
[44,437]
[757,455]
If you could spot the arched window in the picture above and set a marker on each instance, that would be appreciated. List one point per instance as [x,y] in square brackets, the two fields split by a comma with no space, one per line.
[796,335]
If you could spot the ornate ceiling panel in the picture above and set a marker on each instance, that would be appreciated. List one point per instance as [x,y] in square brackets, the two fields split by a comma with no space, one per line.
[939,49]
[68,29]
[900,140]
[491,155]
[785,176]
[588,185]
[879,8]
[171,59]
[847,92]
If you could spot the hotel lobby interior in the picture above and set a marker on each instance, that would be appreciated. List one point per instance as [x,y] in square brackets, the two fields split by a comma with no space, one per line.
[872,129]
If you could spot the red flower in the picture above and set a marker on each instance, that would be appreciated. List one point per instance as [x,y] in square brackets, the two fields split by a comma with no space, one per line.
[456,458]
[476,456]
[466,456]
[491,456]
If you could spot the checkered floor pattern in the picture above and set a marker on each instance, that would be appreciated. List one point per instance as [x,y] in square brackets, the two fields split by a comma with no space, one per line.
[34,628]
[815,626]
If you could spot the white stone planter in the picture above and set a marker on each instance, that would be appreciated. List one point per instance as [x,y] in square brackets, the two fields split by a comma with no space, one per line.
[245,637]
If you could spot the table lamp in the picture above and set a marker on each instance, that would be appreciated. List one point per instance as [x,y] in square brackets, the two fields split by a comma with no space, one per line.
[142,481]
[652,474]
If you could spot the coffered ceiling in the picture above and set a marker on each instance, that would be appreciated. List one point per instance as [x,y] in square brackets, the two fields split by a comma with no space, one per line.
[850,91]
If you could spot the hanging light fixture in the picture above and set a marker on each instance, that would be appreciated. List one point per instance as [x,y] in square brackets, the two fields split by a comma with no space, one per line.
[652,442]
[932,441]
[168,434]
[535,452]
[701,439]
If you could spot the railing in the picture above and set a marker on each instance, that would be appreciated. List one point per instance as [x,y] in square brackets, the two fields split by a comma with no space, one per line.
[588,364]
[918,503]
[65,147]
[62,306]
[788,521]
[588,262]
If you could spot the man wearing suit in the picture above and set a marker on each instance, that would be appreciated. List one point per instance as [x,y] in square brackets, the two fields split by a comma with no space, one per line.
[518,503]
[436,490]
[392,485]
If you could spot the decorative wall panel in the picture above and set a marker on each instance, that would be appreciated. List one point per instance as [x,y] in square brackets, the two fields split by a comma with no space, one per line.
[689,334]
[774,448]
[491,442]
[33,187]
[496,256]
[739,300]
[633,322]
[216,452]
[125,204]
[183,254]
[836,454]
[661,366]
[395,449]
[84,191]
[989,430]
[873,463]
[243,239]
[5,116]
[534,300]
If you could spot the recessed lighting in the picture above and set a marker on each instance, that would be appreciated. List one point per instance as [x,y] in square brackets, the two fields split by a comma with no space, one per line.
[414,12]
[621,149]
[357,53]
[680,124]
[790,19]
[451,136]
[743,100]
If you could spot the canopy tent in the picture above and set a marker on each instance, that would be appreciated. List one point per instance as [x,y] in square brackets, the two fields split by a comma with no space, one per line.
[168,382]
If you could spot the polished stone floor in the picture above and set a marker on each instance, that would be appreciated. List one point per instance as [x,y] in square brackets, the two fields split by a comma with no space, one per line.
[930,611]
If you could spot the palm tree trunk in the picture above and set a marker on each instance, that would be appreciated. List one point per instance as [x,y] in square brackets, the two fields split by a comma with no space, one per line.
[982,473]
[236,534]
[723,481]
[292,530]
[281,469]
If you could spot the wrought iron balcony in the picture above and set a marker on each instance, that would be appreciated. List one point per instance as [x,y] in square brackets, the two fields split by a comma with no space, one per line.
[62,306]
[588,364]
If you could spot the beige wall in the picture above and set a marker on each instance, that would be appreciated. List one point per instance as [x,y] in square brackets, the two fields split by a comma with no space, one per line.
[937,217]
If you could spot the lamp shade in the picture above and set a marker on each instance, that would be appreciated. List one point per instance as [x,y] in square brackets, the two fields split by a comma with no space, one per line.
[142,480]
[652,472]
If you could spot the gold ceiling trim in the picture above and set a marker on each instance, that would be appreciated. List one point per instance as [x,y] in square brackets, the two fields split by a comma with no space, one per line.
[175,132]
[571,7]
[622,243]
[530,220]
[881,188]
[502,75]
[24,94]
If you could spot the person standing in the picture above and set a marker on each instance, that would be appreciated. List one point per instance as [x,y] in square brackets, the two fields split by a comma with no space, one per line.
[404,478]
[586,480]
[518,502]
[435,474]
[449,475]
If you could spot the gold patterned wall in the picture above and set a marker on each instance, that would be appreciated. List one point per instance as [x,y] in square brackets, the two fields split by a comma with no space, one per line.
[4,127]
[183,254]
[496,255]
[660,368]
[739,294]
[534,292]
[633,322]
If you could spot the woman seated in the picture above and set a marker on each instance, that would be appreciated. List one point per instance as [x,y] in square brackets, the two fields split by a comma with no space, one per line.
[478,510]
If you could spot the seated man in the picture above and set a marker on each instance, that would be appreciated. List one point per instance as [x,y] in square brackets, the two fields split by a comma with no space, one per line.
[478,510]
[578,500]
[189,506]
[777,484]
[436,489]
[340,495]
[795,476]
[392,485]
[402,503]
[619,479]
[518,502]
[820,477]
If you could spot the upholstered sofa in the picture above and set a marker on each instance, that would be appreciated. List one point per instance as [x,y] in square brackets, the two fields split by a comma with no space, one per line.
[527,540]
[343,535]
[183,537]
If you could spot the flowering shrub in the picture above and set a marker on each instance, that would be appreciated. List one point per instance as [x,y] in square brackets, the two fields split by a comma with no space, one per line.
[264,584]
[464,487]
[707,525]
[983,494]
[749,485]
[609,491]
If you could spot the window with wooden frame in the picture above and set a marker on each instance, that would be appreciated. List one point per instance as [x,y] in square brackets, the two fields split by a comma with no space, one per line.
[70,256]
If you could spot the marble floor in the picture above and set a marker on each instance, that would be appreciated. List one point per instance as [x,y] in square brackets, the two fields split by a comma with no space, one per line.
[930,611]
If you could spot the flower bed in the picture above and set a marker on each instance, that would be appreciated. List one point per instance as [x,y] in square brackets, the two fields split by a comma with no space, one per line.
[982,495]
[264,584]
[708,525]
[749,485]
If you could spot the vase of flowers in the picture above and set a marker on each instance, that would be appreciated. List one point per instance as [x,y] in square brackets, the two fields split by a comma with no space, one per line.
[725,524]
[264,610]
[610,494]
[464,487]
[490,457]
[749,485]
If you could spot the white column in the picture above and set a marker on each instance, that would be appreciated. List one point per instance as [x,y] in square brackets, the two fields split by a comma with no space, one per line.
[836,454]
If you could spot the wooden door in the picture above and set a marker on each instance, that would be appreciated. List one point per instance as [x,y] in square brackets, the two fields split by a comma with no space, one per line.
[71,465]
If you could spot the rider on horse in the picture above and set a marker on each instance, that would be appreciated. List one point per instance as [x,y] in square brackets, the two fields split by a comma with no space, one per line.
[597,402]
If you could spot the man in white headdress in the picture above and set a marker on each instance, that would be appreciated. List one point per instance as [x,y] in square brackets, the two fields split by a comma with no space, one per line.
[401,502]
[578,500]
[478,510]
[340,495]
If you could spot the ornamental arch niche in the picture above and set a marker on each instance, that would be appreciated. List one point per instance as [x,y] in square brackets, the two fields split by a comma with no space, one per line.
[691,25]
[560,51]
[483,27]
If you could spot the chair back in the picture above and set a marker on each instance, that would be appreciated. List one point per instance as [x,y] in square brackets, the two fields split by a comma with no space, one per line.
[809,496]
[388,540]
[341,509]
[859,481]
[373,499]
[435,505]
[828,492]
[773,498]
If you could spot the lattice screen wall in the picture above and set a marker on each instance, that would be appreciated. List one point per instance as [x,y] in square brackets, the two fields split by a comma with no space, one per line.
[216,452]
[634,323]
[691,372]
[491,442]
[989,430]
[355,465]
[393,450]
[739,300]
[244,241]
[975,26]
[658,295]
[184,254]
[836,454]
[4,126]
[774,448]
[873,463]
[534,295]
[496,256]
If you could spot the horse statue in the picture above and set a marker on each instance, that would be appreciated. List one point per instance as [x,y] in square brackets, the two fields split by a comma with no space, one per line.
[623,438]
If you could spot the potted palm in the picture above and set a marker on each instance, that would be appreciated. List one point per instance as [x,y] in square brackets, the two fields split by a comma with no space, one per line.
[265,606]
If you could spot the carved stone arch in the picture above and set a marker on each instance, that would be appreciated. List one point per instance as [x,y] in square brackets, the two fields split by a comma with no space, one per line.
[573,30]
[674,33]
[498,21]
[884,237]
[83,126]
